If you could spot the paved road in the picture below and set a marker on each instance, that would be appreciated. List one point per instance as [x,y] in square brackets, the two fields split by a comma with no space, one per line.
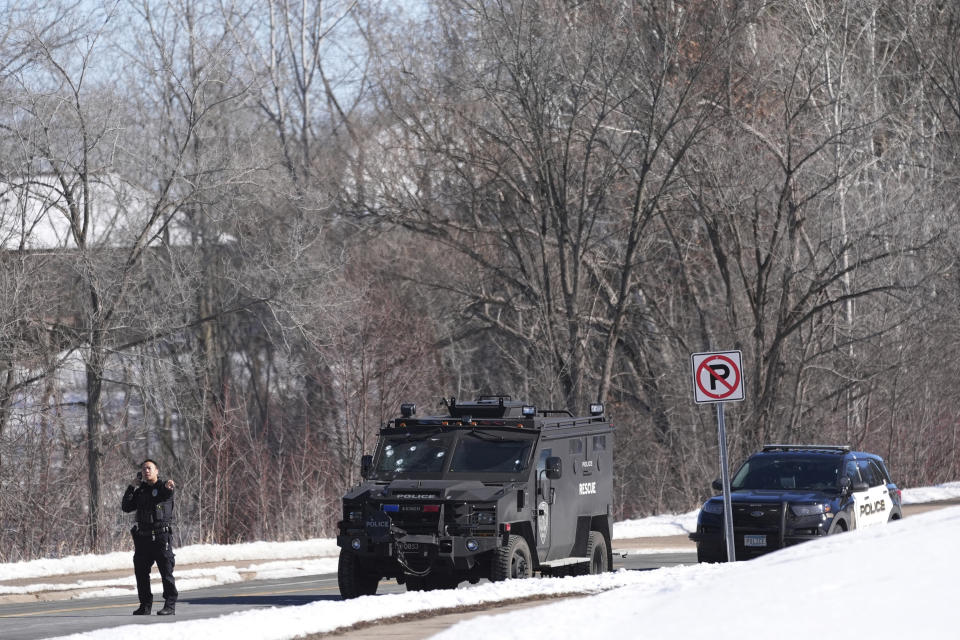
[45,619]
[27,621]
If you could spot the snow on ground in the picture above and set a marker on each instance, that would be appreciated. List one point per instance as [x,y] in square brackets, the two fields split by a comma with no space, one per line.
[248,551]
[945,491]
[896,581]
[886,582]
[656,526]
[917,572]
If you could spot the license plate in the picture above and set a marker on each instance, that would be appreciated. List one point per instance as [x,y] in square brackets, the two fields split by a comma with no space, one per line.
[755,541]
[409,546]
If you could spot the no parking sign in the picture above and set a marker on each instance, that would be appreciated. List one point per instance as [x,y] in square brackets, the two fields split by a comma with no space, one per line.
[717,377]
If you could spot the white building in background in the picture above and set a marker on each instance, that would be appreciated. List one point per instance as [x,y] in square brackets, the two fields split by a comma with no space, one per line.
[37,214]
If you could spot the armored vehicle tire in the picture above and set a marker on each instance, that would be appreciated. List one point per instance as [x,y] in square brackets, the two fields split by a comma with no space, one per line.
[353,580]
[597,552]
[415,583]
[512,561]
[430,583]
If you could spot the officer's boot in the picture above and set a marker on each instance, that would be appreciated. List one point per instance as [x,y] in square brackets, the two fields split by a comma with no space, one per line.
[168,610]
[144,610]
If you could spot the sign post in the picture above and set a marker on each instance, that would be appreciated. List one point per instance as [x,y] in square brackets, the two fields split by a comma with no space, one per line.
[718,378]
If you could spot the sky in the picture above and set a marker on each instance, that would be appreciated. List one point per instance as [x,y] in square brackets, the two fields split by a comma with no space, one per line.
[887,582]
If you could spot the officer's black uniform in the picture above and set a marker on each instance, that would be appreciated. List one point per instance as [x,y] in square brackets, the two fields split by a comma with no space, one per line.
[152,540]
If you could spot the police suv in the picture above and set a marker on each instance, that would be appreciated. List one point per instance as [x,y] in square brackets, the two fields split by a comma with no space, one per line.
[787,494]
[495,489]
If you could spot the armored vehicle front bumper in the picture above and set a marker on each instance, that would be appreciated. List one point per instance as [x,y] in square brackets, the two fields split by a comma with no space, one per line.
[416,536]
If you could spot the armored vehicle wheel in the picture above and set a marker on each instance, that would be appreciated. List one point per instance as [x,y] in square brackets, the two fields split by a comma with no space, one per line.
[354,581]
[430,583]
[597,552]
[415,583]
[512,561]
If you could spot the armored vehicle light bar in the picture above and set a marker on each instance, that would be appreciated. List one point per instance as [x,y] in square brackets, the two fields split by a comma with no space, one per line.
[472,423]
[495,411]
[463,421]
[806,447]
[485,407]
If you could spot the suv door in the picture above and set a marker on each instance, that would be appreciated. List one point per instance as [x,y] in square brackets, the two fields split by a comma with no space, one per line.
[873,505]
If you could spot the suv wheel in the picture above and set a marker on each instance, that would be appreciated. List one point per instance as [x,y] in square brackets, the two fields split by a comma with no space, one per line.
[353,580]
[706,556]
[839,526]
[597,552]
[512,561]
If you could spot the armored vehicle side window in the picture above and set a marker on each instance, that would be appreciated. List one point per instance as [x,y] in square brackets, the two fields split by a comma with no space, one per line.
[576,446]
[542,462]
[406,455]
[484,452]
[599,443]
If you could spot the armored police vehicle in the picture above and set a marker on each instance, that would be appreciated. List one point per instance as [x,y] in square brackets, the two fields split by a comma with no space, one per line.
[786,494]
[495,489]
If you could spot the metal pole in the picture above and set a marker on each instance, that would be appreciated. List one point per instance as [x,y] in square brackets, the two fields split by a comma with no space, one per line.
[725,479]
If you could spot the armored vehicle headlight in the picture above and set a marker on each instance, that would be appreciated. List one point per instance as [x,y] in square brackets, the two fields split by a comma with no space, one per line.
[472,545]
[806,509]
[355,543]
[529,411]
[486,517]
[713,507]
[596,409]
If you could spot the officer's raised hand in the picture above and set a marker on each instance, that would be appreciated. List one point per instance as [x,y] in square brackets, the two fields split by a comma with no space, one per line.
[170,484]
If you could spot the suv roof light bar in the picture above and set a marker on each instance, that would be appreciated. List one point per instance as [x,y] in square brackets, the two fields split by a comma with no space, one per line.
[806,447]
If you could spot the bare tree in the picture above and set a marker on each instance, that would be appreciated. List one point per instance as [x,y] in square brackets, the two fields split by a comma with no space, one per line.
[82,136]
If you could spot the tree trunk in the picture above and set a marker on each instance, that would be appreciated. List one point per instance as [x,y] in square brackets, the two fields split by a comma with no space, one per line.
[94,371]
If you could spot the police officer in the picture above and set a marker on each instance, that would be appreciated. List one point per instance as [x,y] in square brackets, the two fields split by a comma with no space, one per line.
[152,499]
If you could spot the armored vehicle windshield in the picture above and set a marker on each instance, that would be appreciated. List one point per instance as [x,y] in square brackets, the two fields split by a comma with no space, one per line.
[457,450]
[414,453]
[491,452]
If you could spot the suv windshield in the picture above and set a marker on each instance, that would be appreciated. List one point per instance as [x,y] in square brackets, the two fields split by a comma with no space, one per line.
[414,454]
[815,473]
[490,452]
